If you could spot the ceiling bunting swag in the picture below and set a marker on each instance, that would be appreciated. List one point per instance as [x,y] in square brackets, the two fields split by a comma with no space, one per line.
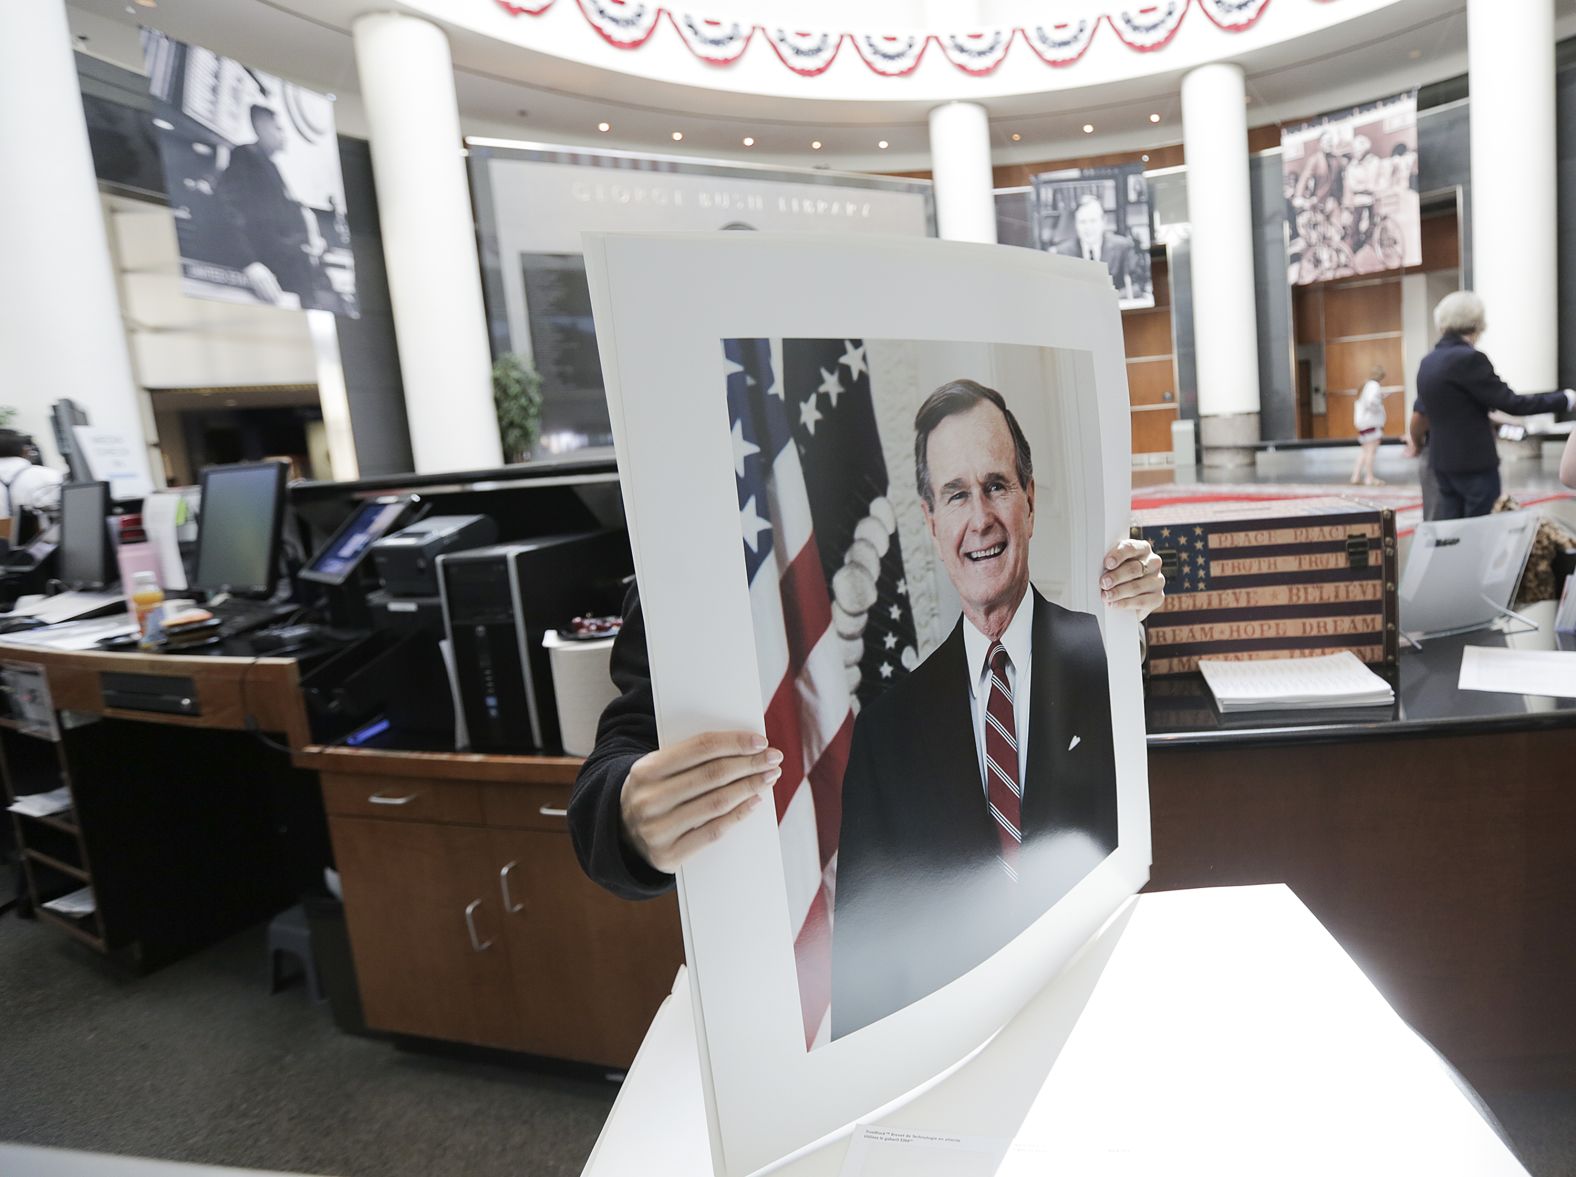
[1062,44]
[892,57]
[1145,28]
[976,53]
[717,42]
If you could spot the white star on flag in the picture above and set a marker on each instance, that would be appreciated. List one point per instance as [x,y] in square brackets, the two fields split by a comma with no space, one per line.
[752,525]
[734,368]
[854,357]
[890,641]
[741,449]
[902,588]
[809,415]
[897,614]
[831,385]
[886,670]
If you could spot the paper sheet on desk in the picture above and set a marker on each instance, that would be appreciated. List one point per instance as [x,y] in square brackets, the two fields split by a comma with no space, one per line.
[893,1152]
[42,804]
[1519,672]
[73,635]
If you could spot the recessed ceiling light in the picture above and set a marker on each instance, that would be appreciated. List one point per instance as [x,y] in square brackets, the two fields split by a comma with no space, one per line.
[1154,118]
[678,135]
[604,127]
[164,124]
[1415,54]
[815,145]
[148,3]
[1016,136]
[1088,128]
[1145,158]
[882,144]
[749,140]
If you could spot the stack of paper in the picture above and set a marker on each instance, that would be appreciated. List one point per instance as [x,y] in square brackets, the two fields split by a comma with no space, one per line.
[1328,680]
[1519,672]
[42,804]
[79,903]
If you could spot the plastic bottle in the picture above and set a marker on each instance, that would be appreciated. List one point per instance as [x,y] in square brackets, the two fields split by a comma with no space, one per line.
[146,596]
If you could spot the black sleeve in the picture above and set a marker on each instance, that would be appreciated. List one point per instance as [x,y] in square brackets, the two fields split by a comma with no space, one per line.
[1485,387]
[237,201]
[626,732]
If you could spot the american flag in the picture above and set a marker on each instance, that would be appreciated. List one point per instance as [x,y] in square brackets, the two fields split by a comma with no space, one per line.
[833,627]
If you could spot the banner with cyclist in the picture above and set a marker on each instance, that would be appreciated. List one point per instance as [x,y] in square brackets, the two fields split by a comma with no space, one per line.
[1351,192]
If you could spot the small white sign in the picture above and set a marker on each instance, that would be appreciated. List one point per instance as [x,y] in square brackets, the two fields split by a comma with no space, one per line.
[113,457]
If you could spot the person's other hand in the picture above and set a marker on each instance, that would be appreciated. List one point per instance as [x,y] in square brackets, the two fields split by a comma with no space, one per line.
[264,284]
[1132,578]
[1408,446]
[683,797]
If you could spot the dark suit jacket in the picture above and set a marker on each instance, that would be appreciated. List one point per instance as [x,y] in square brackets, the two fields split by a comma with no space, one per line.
[1117,253]
[266,225]
[1456,388]
[920,899]
[626,732]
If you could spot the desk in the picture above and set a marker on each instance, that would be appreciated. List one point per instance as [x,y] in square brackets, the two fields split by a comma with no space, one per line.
[1220,1031]
[1435,839]
[185,824]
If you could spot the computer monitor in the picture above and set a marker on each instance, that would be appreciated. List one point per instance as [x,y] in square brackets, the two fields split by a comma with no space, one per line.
[238,528]
[1461,574]
[83,558]
[336,562]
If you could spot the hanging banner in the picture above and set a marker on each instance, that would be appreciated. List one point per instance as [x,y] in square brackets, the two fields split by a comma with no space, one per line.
[976,53]
[1061,44]
[892,57]
[1150,27]
[720,42]
[1101,215]
[251,166]
[1233,14]
[1350,184]
[627,24]
[807,54]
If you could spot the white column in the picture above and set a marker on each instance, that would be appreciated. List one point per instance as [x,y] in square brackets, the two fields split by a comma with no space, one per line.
[424,206]
[1510,74]
[960,167]
[61,333]
[1225,337]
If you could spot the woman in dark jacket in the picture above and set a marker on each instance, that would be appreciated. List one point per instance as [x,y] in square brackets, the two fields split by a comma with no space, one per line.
[1457,389]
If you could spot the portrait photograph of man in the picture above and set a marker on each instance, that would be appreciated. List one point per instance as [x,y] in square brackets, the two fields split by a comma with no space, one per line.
[949,772]
[1101,215]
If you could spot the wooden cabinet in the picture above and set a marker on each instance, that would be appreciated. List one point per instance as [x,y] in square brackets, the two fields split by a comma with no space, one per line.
[470,919]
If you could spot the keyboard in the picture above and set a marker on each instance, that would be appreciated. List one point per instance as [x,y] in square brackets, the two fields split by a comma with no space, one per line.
[238,616]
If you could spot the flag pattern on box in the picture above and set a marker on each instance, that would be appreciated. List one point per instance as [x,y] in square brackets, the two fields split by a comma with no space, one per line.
[828,599]
[1285,578]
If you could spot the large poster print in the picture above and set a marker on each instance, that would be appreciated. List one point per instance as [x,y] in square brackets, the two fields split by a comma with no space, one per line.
[923,825]
[251,166]
[1352,199]
[870,483]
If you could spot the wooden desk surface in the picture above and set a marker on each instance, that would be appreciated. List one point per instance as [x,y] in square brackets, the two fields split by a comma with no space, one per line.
[229,690]
[459,766]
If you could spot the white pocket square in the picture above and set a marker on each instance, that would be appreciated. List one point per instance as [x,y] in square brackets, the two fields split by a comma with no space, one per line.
[1076,741]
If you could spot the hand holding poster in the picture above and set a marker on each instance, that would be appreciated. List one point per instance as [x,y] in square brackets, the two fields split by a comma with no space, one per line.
[880,489]
[251,166]
[1350,184]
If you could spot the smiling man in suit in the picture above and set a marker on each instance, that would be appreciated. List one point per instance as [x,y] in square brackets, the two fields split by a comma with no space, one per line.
[980,789]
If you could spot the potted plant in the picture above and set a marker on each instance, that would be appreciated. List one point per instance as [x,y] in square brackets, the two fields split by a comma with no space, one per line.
[517,399]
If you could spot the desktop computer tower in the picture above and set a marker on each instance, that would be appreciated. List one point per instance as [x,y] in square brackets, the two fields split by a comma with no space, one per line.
[498,603]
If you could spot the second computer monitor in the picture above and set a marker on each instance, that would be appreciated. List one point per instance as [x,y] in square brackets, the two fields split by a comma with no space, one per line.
[83,558]
[238,529]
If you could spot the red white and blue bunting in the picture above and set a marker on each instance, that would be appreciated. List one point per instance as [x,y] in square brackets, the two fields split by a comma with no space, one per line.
[1144,27]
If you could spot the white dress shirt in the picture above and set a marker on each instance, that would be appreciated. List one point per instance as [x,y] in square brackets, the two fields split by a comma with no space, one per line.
[33,487]
[1019,641]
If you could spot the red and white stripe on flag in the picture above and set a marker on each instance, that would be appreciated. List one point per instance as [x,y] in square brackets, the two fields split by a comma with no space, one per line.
[1061,44]
[525,7]
[1150,26]
[809,717]
[976,53]
[720,42]
[807,54]
[627,24]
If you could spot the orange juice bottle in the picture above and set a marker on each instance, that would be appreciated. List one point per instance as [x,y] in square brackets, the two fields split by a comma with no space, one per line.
[146,596]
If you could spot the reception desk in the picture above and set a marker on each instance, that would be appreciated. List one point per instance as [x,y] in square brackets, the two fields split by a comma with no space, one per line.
[1436,839]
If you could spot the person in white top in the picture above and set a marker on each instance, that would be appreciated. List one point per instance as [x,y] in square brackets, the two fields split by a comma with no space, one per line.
[1369,417]
[24,482]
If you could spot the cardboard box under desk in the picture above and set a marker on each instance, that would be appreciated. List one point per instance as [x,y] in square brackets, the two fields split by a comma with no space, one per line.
[1285,578]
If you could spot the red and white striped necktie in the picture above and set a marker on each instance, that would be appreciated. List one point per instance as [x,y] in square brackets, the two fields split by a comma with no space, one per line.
[1003,792]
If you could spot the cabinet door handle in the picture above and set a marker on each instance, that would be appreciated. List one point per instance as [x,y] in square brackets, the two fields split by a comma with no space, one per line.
[509,905]
[552,811]
[385,799]
[477,943]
